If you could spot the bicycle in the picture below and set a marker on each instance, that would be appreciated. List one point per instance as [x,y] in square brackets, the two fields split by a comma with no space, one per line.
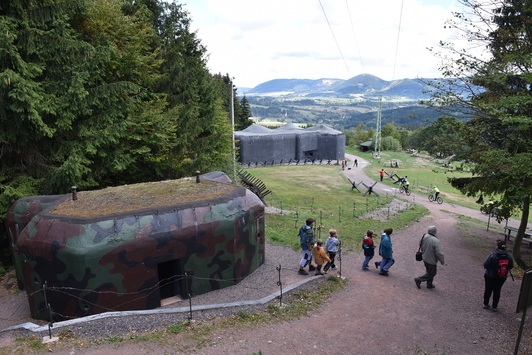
[439,199]
[405,189]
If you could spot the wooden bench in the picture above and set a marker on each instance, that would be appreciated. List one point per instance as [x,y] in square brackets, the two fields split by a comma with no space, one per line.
[508,234]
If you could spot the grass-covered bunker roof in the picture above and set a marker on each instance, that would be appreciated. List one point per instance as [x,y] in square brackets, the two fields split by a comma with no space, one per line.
[142,196]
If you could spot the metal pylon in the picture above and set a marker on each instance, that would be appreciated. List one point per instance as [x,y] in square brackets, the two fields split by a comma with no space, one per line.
[377,153]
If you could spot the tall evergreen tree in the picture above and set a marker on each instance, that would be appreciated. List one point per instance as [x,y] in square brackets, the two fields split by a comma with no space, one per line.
[203,132]
[245,114]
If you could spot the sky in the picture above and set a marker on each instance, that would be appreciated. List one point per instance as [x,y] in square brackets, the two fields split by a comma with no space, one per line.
[255,41]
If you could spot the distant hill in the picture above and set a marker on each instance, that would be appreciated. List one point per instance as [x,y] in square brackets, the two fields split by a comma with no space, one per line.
[364,84]
[343,104]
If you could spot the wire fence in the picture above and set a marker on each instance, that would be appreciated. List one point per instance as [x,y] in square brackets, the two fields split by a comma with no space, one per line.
[382,208]
[273,290]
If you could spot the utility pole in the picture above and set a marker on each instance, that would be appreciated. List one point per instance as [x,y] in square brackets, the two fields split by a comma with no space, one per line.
[232,105]
[377,153]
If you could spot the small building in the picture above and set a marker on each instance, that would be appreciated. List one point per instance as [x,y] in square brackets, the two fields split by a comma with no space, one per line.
[129,247]
[289,142]
[366,146]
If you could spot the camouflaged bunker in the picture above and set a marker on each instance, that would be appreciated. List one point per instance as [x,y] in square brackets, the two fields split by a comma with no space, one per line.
[129,247]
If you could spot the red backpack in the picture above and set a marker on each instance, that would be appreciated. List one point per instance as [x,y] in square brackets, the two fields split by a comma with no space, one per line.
[502,266]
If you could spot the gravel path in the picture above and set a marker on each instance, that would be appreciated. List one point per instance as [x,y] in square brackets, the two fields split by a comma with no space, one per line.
[373,314]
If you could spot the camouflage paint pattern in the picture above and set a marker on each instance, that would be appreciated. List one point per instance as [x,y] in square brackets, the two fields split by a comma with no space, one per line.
[125,261]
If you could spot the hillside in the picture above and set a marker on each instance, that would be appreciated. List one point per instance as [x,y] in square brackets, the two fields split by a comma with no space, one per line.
[343,104]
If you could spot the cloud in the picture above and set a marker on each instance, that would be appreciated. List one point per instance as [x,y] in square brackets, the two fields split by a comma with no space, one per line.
[256,41]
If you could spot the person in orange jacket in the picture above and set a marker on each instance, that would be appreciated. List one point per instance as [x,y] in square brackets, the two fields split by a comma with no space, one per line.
[320,256]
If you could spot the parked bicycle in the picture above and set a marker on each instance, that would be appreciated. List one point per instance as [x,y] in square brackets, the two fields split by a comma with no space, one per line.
[437,199]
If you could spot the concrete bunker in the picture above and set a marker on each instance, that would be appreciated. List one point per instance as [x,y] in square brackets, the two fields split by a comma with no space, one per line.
[129,247]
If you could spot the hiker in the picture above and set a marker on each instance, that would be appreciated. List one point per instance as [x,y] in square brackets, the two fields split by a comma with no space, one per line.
[306,240]
[498,264]
[432,253]
[319,256]
[369,249]
[331,248]
[386,252]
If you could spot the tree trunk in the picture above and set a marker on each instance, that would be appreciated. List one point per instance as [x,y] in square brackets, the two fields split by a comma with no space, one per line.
[521,234]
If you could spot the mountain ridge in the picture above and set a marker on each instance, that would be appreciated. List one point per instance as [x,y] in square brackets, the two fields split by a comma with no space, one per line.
[362,84]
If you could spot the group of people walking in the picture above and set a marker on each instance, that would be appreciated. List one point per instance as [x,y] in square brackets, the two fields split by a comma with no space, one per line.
[324,257]
[497,265]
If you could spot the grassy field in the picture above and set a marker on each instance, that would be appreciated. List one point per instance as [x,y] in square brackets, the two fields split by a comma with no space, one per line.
[324,193]
[423,171]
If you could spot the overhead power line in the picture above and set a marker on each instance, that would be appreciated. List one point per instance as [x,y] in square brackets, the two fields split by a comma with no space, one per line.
[339,50]
[354,35]
[397,42]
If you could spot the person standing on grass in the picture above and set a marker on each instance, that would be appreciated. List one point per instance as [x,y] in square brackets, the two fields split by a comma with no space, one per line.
[369,249]
[331,248]
[432,253]
[386,252]
[306,238]
[381,174]
[498,264]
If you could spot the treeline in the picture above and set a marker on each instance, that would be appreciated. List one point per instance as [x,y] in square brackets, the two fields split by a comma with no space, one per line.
[106,92]
[343,115]
[445,137]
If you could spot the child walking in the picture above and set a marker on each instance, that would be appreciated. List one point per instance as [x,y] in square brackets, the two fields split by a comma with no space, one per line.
[331,247]
[369,249]
[319,256]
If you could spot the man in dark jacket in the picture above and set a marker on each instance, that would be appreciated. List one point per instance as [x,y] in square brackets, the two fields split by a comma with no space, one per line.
[495,275]
[432,253]
[306,238]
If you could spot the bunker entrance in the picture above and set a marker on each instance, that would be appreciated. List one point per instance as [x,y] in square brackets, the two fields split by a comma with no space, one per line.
[170,278]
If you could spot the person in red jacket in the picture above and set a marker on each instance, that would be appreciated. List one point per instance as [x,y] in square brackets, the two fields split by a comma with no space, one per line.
[369,249]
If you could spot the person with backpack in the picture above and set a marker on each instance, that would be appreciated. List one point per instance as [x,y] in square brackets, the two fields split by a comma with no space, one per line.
[369,249]
[498,264]
[306,241]
[432,252]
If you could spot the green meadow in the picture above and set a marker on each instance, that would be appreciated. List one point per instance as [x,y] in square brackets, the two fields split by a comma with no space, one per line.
[324,193]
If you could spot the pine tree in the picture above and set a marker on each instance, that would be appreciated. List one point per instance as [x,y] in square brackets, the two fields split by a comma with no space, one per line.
[245,114]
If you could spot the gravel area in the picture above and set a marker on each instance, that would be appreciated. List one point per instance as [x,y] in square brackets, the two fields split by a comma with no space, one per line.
[262,283]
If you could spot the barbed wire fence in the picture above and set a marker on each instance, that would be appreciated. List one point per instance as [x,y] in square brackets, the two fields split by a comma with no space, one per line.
[274,291]
[344,212]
